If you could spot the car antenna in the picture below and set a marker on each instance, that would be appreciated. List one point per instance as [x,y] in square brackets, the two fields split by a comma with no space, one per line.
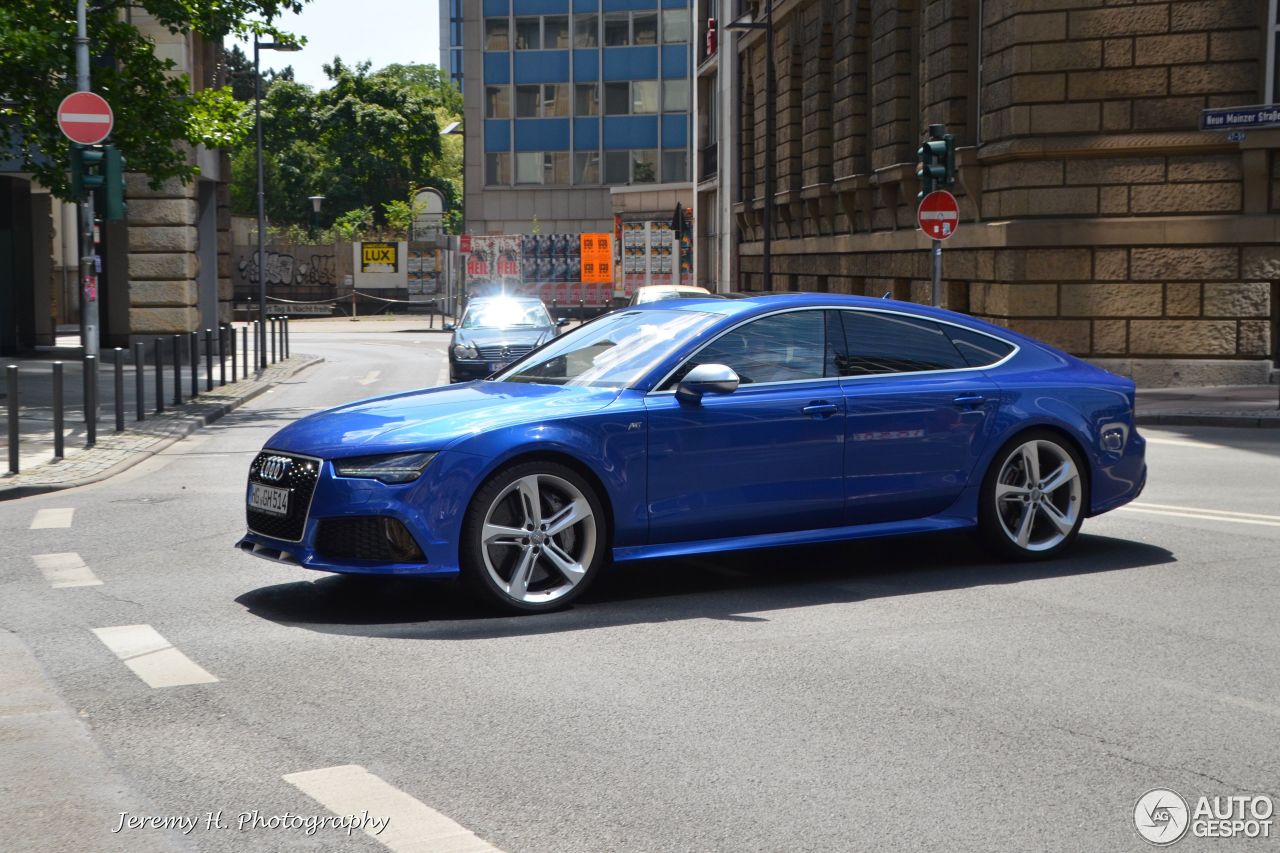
[887,294]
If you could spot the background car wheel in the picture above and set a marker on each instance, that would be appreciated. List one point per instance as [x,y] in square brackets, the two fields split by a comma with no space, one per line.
[534,537]
[1033,497]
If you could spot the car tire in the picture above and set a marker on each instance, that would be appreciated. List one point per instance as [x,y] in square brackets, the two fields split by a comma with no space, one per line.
[1030,505]
[534,538]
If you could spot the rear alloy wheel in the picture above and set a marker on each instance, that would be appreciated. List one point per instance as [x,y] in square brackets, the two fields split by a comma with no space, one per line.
[1033,497]
[534,537]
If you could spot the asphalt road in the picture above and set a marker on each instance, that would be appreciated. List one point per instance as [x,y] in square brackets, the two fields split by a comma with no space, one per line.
[906,694]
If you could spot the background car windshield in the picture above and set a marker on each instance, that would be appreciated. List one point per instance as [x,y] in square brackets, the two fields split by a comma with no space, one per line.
[504,315]
[612,352]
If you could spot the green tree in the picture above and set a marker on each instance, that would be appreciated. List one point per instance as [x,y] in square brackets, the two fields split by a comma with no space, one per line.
[155,109]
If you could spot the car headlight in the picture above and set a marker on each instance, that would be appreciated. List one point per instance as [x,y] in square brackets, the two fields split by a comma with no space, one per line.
[466,351]
[397,468]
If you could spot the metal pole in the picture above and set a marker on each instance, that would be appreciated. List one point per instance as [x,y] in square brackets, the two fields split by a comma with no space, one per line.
[275,328]
[231,343]
[119,389]
[12,377]
[91,400]
[770,143]
[262,210]
[208,359]
[59,419]
[937,273]
[139,374]
[177,370]
[194,345]
[88,273]
[222,355]
[244,337]
[159,375]
[284,341]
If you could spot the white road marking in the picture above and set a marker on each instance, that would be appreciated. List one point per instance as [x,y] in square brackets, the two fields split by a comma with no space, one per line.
[1227,698]
[151,657]
[370,377]
[48,518]
[1204,514]
[442,375]
[1178,442]
[64,570]
[413,826]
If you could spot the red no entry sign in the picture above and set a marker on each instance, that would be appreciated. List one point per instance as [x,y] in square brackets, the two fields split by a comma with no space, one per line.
[939,214]
[85,118]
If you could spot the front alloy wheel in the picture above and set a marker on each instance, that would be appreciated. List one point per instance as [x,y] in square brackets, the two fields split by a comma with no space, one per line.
[533,538]
[1033,497]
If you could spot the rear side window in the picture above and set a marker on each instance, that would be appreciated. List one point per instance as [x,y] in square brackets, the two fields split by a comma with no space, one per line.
[892,343]
[978,349]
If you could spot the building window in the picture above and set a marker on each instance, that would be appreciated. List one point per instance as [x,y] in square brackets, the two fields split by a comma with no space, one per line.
[497,169]
[528,33]
[586,167]
[675,96]
[555,167]
[555,32]
[644,166]
[644,97]
[617,99]
[586,31]
[555,100]
[587,99]
[528,101]
[675,25]
[644,28]
[497,102]
[617,167]
[497,32]
[617,29]
[675,165]
[529,167]
[1273,53]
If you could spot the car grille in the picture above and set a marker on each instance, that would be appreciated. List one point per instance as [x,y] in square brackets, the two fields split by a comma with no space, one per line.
[373,538]
[300,479]
[513,351]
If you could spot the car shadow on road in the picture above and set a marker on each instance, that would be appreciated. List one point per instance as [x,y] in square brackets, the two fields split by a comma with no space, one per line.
[731,586]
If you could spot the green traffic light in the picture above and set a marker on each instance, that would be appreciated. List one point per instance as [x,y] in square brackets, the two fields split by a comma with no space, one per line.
[113,173]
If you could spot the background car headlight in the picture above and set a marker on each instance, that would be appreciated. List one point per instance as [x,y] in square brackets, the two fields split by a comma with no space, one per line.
[465,351]
[398,468]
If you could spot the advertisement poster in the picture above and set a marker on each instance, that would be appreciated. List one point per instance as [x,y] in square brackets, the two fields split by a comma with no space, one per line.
[494,265]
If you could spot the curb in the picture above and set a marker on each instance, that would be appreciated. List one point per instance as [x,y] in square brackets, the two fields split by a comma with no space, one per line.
[185,428]
[1206,419]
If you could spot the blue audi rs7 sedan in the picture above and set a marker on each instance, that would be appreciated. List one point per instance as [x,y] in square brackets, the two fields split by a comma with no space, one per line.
[694,426]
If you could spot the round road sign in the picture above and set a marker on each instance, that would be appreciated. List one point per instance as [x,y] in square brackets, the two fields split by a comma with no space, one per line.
[938,215]
[85,118]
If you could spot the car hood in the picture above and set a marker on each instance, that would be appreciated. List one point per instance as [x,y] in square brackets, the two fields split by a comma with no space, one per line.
[497,337]
[433,418]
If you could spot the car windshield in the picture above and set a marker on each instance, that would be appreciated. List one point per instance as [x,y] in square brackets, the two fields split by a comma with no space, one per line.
[506,314]
[612,352]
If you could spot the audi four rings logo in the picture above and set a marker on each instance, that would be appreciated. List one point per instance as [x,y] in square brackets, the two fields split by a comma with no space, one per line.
[274,468]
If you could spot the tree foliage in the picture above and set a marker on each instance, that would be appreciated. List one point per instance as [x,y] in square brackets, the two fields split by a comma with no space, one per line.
[155,107]
[363,143]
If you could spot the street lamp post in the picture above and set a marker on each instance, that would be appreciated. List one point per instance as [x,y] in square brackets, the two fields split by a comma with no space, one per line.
[770,131]
[262,213]
[315,200]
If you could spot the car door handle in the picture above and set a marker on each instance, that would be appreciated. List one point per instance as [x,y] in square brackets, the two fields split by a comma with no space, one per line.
[969,400]
[820,409]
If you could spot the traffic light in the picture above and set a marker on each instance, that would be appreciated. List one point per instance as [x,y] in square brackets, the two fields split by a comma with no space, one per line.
[86,170]
[936,168]
[113,189]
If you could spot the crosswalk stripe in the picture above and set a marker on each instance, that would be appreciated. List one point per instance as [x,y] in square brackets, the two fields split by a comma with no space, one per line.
[151,657]
[1203,516]
[65,569]
[51,518]
[411,826]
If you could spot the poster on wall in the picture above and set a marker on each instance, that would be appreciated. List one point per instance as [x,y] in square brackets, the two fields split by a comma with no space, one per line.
[494,265]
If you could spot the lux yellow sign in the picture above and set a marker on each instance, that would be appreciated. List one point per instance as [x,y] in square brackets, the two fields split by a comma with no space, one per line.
[379,257]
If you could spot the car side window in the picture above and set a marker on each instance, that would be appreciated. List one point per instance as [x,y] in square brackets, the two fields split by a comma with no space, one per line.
[779,348]
[978,349]
[877,342]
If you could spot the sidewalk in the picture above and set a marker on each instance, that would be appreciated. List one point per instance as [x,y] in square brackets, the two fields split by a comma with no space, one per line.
[1227,405]
[115,451]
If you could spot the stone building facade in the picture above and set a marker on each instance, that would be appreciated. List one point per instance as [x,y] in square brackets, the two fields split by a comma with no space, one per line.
[1095,214]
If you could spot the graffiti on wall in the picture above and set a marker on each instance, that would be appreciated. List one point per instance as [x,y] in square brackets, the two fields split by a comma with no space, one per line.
[315,268]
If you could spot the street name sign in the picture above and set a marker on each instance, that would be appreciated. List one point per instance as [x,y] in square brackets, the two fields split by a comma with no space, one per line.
[85,117]
[938,215]
[1241,118]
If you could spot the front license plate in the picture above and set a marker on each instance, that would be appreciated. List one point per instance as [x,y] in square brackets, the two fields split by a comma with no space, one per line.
[495,366]
[269,499]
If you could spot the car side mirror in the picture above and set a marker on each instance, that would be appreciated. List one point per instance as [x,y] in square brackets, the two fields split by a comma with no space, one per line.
[561,322]
[448,327]
[707,379]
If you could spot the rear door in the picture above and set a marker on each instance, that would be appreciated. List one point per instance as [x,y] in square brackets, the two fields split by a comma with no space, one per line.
[917,416]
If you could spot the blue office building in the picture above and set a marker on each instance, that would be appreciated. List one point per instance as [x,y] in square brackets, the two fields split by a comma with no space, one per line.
[568,100]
